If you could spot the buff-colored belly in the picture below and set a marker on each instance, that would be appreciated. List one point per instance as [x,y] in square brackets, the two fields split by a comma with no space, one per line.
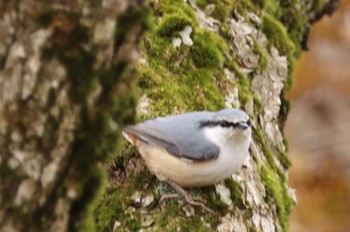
[186,173]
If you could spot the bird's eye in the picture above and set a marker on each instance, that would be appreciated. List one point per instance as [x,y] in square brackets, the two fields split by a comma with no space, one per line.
[249,122]
[224,123]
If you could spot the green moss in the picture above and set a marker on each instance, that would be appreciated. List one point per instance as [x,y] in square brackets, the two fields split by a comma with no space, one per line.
[202,3]
[189,224]
[294,15]
[294,18]
[286,144]
[90,199]
[207,96]
[258,136]
[224,31]
[165,7]
[181,86]
[162,89]
[287,42]
[289,82]
[269,6]
[222,9]
[244,92]
[113,207]
[318,5]
[193,90]
[277,35]
[276,190]
[269,155]
[244,6]
[243,82]
[116,201]
[289,21]
[283,158]
[207,50]
[258,104]
[213,202]
[160,51]
[221,12]
[237,195]
[176,15]
[180,222]
[243,96]
[172,24]
[262,65]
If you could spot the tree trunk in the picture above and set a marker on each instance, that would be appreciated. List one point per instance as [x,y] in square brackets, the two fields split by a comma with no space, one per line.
[67,83]
[66,75]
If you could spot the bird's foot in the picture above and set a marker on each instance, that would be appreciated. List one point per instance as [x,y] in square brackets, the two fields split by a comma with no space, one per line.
[196,202]
[166,197]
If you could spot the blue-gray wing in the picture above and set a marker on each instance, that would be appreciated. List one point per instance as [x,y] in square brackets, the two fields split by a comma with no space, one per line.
[179,135]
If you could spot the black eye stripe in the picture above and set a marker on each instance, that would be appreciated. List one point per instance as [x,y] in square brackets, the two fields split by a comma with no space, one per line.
[222,123]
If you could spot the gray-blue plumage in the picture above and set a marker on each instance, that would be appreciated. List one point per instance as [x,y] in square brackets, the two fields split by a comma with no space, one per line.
[180,134]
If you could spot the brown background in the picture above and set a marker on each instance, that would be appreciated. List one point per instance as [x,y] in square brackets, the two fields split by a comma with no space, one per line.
[318,128]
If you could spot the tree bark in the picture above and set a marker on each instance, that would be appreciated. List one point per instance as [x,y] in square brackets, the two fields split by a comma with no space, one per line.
[67,81]
[64,68]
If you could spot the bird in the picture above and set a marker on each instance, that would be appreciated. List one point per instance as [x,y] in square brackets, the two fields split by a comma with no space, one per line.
[193,149]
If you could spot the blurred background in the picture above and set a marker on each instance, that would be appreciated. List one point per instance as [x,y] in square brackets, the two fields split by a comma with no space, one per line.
[318,128]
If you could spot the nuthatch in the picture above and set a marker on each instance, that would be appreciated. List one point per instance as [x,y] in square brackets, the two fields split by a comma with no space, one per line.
[193,149]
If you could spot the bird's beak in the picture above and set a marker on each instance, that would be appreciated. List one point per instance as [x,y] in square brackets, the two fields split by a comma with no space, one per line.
[242,125]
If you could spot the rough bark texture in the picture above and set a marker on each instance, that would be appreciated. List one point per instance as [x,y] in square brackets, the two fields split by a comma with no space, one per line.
[66,72]
[66,81]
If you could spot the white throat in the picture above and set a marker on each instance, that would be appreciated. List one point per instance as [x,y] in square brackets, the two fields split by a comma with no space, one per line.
[234,146]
